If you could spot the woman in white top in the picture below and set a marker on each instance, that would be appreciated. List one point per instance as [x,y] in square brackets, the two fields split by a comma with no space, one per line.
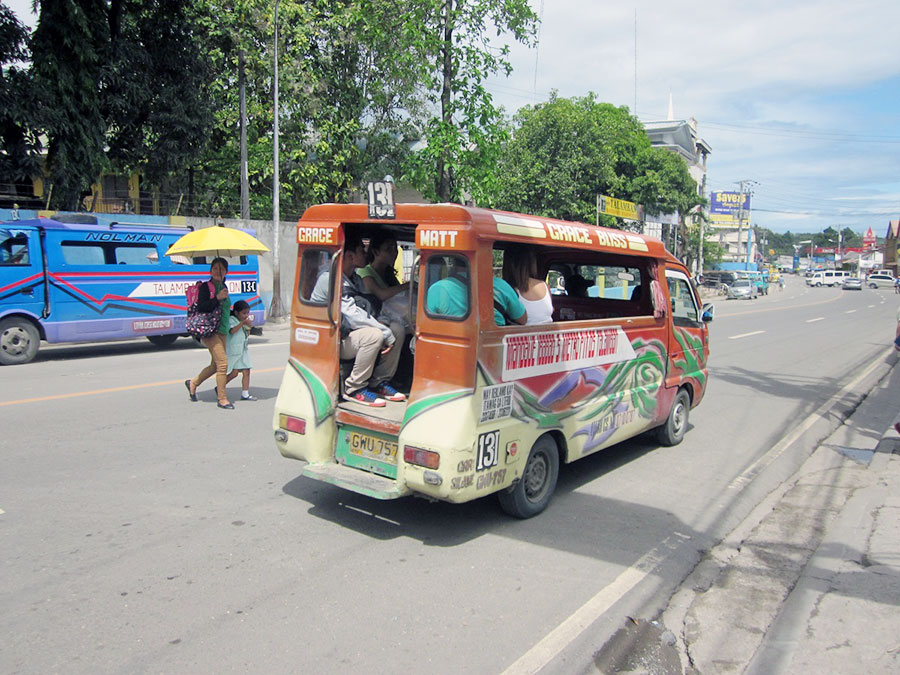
[520,271]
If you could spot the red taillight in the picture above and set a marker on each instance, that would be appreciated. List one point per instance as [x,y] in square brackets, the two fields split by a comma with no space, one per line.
[419,457]
[295,424]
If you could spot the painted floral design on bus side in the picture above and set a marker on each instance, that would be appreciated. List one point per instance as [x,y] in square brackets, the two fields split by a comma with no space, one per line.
[694,362]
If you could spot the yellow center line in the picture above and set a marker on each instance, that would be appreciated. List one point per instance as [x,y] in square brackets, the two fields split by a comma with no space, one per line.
[111,390]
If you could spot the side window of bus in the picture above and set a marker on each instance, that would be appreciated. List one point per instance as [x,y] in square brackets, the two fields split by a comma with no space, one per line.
[82,253]
[684,306]
[597,290]
[447,292]
[135,254]
[14,249]
[315,276]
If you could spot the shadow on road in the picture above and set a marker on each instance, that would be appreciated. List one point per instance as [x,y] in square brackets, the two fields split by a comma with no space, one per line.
[576,521]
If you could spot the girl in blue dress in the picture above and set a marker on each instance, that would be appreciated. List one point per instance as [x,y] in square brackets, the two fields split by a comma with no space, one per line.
[236,347]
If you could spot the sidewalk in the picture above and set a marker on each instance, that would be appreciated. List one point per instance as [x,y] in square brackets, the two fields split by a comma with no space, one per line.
[814,587]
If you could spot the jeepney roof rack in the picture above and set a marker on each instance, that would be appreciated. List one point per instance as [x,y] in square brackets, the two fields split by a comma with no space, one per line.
[116,223]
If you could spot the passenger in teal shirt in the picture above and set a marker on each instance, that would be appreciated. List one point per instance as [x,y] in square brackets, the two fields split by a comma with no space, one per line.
[449,297]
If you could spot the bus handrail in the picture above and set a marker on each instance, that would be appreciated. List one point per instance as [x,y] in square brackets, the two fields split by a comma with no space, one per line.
[334,269]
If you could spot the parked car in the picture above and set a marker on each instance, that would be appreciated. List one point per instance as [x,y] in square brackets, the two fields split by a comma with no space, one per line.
[880,280]
[742,288]
[852,284]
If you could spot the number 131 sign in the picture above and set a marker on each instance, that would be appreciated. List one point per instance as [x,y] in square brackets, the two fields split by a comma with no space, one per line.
[381,200]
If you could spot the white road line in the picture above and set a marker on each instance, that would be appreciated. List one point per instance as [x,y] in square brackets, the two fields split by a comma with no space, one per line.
[2,512]
[559,638]
[820,413]
[850,311]
[821,318]
[871,306]
[743,335]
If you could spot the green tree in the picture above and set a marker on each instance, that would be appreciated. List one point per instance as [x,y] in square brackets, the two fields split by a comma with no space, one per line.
[461,144]
[19,145]
[348,88]
[68,49]
[851,238]
[565,152]
[155,84]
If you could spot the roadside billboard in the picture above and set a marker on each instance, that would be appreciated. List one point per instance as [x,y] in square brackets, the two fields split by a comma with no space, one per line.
[725,207]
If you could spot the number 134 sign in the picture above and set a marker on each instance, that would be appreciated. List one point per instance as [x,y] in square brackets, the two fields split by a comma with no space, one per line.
[381,199]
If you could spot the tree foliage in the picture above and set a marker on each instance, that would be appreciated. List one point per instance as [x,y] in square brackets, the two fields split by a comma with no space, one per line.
[565,152]
[461,144]
[155,82]
[19,144]
[68,49]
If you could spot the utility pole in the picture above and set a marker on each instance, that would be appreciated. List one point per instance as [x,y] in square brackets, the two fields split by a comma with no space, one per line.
[275,311]
[741,223]
[245,188]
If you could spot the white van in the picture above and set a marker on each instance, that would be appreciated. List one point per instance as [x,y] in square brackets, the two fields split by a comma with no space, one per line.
[827,278]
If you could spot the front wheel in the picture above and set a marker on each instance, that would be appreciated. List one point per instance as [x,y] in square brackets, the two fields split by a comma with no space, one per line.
[162,340]
[19,341]
[672,432]
[532,493]
[873,285]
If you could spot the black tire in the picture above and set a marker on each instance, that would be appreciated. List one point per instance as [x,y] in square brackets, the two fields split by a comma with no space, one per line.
[19,341]
[672,432]
[162,340]
[531,494]
[873,285]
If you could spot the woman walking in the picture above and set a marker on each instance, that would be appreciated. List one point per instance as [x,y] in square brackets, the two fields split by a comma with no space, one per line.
[215,343]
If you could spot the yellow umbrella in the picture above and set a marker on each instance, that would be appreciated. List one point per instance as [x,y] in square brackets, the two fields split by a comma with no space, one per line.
[217,241]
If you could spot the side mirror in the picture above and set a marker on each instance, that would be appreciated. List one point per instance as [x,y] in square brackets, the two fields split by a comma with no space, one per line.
[707,312]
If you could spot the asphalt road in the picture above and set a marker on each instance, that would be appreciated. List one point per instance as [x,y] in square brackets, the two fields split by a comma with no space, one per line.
[140,532]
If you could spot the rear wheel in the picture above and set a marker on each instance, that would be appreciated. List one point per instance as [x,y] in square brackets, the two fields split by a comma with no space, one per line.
[19,341]
[532,493]
[672,432]
[162,340]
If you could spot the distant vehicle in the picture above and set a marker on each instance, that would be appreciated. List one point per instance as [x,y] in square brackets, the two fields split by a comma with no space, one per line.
[852,284]
[742,288]
[881,280]
[718,279]
[80,282]
[762,285]
[827,278]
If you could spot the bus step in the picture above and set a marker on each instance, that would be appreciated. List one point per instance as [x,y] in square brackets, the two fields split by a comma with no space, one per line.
[363,482]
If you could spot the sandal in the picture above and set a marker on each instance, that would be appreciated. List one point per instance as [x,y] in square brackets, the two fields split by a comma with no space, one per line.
[193,397]
[227,406]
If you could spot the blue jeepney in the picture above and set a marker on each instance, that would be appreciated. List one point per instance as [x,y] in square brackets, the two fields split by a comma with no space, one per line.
[66,282]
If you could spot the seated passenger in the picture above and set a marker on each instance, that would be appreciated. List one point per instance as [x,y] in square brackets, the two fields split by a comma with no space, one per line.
[373,346]
[449,297]
[577,286]
[521,272]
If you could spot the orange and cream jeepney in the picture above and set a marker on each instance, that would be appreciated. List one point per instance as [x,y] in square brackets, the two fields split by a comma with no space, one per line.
[492,408]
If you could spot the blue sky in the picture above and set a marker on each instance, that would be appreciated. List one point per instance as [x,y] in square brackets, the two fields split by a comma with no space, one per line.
[802,97]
